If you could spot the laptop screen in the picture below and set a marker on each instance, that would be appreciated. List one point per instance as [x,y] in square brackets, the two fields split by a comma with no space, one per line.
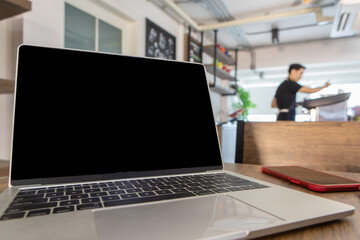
[89,116]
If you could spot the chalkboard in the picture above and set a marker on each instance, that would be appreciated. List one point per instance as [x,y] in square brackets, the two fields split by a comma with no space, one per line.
[195,50]
[159,43]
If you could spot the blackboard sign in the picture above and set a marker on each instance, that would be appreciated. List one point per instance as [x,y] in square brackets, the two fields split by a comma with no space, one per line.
[159,43]
[195,50]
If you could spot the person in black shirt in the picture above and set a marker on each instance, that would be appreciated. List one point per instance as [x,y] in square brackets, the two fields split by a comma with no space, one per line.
[285,95]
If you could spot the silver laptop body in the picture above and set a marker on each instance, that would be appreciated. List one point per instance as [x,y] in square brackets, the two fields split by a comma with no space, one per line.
[94,132]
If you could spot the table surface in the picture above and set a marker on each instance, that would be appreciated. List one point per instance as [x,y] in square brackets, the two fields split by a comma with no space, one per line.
[347,228]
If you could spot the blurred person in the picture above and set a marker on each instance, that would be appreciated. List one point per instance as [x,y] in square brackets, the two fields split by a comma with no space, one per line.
[285,97]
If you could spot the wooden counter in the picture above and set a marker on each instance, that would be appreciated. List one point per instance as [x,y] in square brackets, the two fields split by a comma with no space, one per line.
[321,145]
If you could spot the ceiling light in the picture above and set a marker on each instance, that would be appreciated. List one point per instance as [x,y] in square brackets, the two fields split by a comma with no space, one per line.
[347,2]
[343,20]
[356,25]
[275,35]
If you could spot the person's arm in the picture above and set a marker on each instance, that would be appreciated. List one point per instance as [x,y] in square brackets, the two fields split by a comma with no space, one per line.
[274,103]
[313,90]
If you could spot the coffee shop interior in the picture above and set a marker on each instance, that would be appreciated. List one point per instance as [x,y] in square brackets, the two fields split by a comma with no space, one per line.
[246,47]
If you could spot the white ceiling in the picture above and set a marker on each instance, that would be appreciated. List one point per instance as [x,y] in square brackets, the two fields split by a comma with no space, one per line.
[297,21]
[292,27]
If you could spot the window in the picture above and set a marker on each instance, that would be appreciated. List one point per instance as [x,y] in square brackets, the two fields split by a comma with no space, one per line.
[79,29]
[109,38]
[84,31]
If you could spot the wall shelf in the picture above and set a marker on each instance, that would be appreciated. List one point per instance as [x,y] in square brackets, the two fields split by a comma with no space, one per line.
[7,86]
[222,57]
[219,72]
[9,8]
[221,90]
[218,56]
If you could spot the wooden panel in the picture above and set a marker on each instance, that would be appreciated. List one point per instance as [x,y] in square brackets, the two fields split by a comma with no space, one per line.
[219,133]
[9,8]
[320,145]
[4,168]
[7,86]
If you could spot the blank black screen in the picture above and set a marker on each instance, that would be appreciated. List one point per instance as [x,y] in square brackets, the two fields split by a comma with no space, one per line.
[83,113]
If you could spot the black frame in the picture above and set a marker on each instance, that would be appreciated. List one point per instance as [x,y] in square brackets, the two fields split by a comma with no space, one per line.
[159,43]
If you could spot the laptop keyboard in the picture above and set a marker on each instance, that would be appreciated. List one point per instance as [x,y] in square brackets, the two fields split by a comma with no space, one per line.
[69,198]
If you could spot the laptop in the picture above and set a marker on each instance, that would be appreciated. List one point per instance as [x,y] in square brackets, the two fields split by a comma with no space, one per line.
[110,146]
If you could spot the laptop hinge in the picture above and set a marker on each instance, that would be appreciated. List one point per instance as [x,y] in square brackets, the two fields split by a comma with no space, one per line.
[28,186]
[215,171]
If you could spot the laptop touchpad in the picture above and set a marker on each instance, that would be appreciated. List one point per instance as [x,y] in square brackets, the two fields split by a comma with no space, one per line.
[194,218]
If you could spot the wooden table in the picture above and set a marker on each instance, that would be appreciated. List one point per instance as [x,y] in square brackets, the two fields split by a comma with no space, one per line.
[347,228]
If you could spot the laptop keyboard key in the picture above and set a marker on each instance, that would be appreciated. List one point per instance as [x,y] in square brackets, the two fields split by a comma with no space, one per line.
[90,200]
[89,206]
[80,196]
[28,197]
[135,190]
[92,190]
[179,190]
[63,209]
[30,207]
[116,192]
[36,213]
[163,192]
[147,194]
[98,194]
[56,199]
[130,195]
[203,192]
[110,198]
[30,201]
[70,202]
[220,190]
[74,192]
[23,193]
[12,216]
[57,194]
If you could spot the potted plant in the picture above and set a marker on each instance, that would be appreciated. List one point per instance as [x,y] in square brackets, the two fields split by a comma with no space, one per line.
[243,104]
[356,111]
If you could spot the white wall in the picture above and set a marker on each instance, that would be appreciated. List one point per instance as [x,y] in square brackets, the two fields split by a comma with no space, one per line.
[325,51]
[10,38]
[262,97]
[44,24]
[6,107]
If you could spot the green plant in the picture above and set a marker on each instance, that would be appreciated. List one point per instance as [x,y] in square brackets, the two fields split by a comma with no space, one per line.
[244,103]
